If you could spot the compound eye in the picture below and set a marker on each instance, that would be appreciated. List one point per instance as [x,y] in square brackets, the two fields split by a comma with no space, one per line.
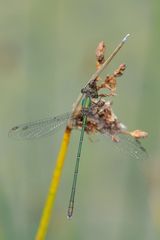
[82,90]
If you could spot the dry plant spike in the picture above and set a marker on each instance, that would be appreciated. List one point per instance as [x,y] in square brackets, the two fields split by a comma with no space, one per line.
[100,70]
[139,134]
[100,51]
[110,82]
[101,117]
[119,71]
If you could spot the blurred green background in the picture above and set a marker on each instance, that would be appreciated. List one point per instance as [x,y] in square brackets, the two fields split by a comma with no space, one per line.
[47,53]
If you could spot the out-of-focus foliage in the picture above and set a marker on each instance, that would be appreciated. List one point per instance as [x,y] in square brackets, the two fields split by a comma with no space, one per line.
[47,53]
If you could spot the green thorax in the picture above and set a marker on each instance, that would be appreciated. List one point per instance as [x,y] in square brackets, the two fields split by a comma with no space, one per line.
[86,102]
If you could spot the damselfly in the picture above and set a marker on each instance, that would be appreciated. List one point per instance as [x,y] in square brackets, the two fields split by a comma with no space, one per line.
[93,115]
[91,118]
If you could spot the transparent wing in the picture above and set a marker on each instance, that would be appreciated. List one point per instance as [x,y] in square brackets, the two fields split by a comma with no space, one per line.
[132,147]
[38,128]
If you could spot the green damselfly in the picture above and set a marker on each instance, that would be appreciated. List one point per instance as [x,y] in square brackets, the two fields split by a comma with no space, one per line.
[89,120]
[90,91]
[93,116]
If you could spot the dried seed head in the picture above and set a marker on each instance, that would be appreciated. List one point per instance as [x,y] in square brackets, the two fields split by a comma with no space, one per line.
[100,116]
[119,71]
[100,54]
[138,134]
[111,83]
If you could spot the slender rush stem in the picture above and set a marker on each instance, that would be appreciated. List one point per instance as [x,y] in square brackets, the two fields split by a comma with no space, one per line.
[46,215]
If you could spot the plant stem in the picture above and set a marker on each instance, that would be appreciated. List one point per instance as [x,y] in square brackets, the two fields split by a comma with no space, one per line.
[46,215]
